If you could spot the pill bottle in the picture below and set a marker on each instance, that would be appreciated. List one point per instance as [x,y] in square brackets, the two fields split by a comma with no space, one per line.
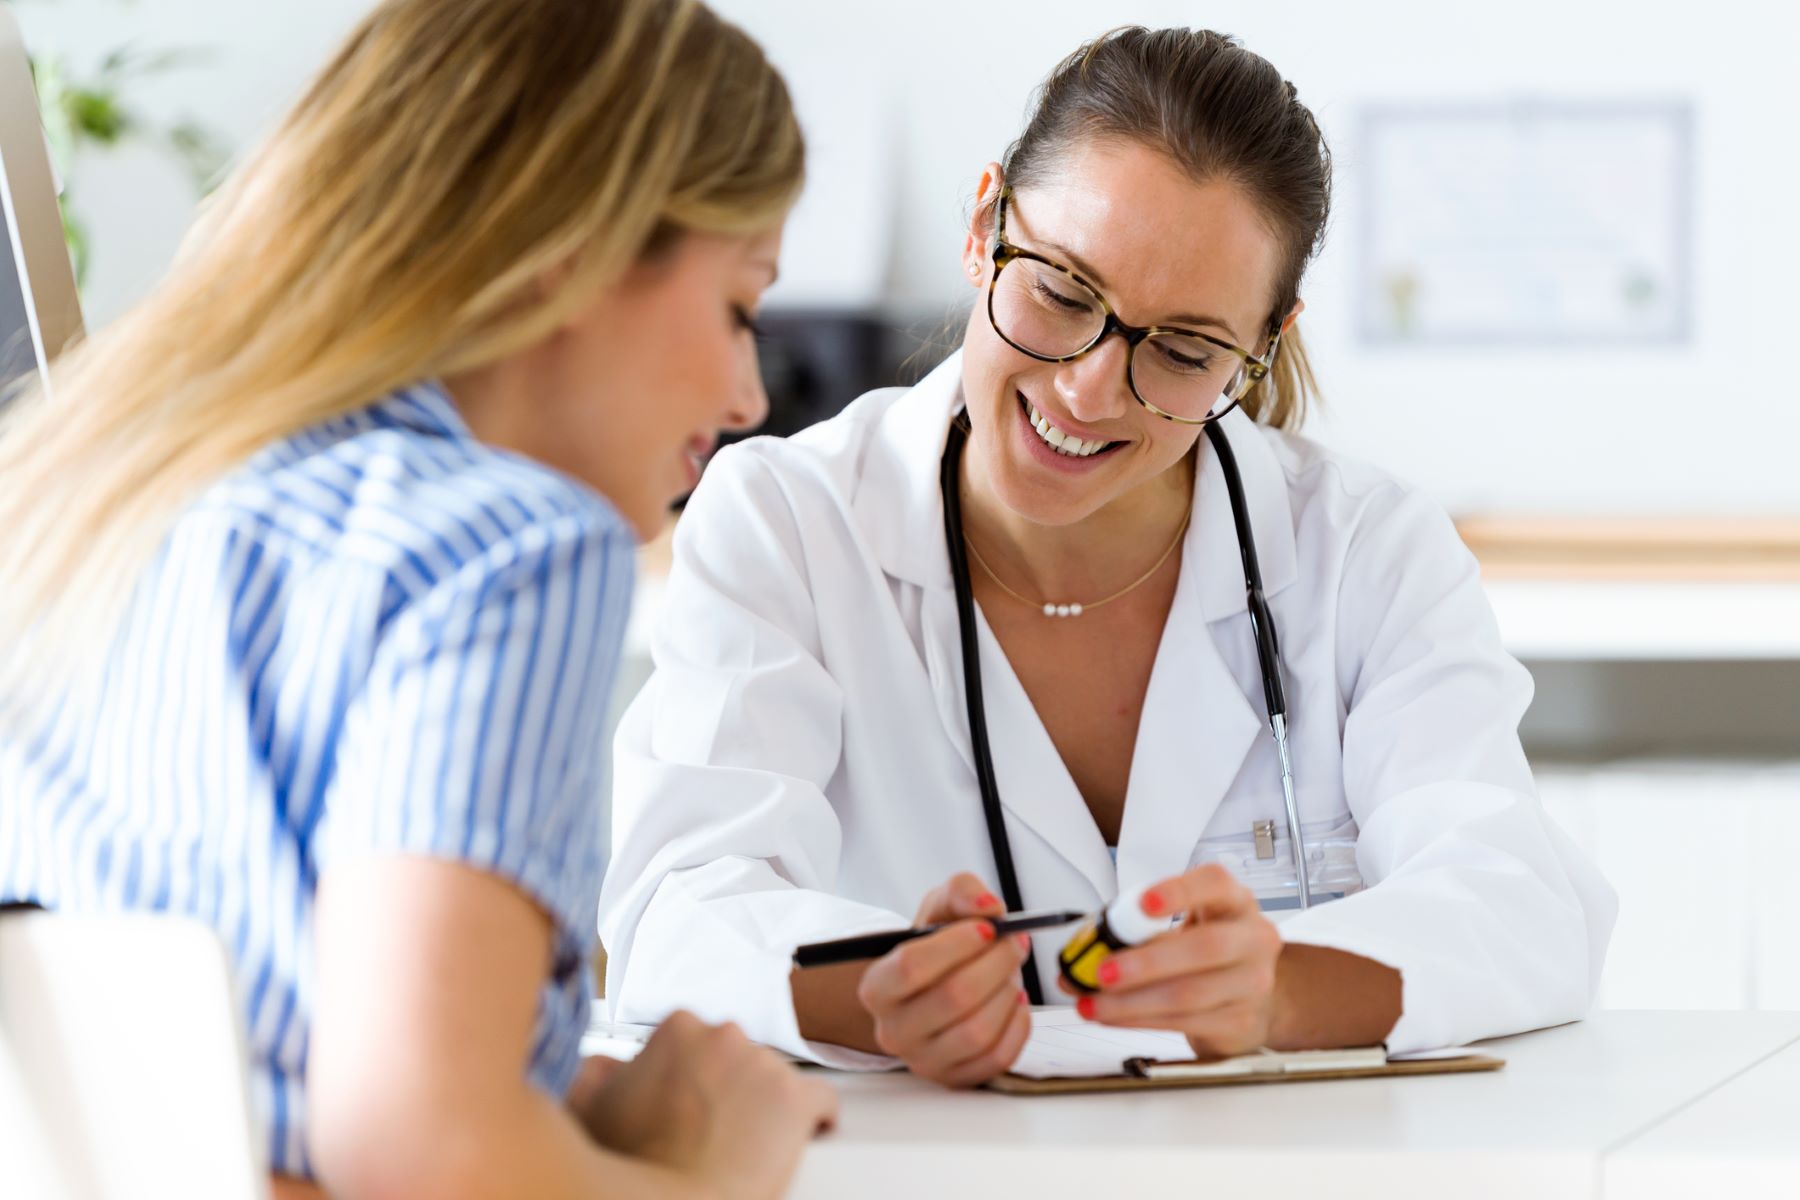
[1121,924]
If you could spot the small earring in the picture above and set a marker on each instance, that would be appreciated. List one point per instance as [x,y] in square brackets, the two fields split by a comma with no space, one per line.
[974,270]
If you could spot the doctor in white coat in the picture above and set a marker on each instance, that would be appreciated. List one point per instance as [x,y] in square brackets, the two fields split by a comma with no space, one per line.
[801,765]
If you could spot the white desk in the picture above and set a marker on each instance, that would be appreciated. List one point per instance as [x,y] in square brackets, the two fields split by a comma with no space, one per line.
[1740,1139]
[1542,1128]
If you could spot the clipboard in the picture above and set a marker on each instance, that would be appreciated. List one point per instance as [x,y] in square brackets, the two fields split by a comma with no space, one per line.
[1138,1074]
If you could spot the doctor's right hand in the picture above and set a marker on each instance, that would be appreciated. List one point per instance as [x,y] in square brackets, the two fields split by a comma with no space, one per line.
[950,1006]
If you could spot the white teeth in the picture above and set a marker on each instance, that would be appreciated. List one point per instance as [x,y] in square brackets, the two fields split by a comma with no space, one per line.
[1062,443]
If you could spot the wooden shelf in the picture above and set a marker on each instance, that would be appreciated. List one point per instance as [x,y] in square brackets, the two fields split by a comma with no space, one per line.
[1761,549]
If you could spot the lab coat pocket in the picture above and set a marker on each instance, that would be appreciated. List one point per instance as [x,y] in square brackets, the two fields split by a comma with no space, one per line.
[1262,859]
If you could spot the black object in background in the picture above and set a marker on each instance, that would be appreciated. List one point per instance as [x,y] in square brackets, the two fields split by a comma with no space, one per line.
[816,362]
[18,356]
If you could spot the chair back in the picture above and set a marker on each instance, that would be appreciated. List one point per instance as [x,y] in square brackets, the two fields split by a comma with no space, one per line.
[122,1062]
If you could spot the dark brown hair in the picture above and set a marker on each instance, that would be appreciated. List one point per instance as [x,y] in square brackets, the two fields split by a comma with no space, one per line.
[1220,112]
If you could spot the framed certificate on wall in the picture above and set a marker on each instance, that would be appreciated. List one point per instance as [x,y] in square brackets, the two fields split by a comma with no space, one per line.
[1529,222]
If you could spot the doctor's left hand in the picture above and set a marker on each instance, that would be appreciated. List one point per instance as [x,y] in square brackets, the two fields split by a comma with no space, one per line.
[1211,978]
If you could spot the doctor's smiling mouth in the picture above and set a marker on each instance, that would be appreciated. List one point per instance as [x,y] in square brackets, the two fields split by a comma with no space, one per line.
[1060,443]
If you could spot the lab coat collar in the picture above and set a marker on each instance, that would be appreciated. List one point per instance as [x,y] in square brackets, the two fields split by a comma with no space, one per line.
[901,509]
[898,502]
[1212,542]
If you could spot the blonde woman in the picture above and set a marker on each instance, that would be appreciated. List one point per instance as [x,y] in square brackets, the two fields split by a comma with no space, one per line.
[317,564]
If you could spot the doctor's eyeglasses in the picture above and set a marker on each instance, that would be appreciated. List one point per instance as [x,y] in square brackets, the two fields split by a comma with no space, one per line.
[1046,311]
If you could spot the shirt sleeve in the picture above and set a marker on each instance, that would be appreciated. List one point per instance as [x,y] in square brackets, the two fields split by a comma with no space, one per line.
[726,847]
[478,734]
[1492,916]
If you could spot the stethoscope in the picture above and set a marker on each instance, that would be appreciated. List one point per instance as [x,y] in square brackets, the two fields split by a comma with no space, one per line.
[1268,661]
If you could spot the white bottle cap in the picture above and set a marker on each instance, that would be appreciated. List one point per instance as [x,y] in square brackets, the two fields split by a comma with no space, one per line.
[1126,917]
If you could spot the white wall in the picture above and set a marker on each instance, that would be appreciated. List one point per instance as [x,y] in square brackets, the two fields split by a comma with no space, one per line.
[1606,431]
[941,85]
[257,56]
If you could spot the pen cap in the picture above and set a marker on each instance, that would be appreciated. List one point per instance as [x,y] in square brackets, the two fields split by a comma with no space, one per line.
[1127,919]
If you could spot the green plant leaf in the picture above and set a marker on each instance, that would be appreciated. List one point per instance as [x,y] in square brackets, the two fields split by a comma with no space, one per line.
[201,152]
[128,61]
[93,111]
[59,131]
[76,238]
[97,115]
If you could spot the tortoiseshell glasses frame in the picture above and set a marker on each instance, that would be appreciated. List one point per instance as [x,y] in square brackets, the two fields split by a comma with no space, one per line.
[1252,369]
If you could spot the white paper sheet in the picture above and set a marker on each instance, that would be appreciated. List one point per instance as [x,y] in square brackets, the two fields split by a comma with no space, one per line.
[1065,1046]
[1446,1052]
[613,1039]
[1062,1045]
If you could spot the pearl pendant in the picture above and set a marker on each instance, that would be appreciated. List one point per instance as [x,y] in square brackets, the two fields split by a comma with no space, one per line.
[1062,610]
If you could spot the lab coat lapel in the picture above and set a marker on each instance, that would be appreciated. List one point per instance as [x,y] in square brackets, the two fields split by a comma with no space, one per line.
[1199,722]
[1196,729]
[1035,787]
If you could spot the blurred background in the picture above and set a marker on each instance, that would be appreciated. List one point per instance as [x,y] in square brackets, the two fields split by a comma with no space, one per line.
[1555,294]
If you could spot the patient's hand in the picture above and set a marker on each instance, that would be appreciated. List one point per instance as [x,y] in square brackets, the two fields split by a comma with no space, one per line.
[707,1102]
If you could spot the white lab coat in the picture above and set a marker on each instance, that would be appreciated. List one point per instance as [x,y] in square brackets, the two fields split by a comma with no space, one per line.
[798,767]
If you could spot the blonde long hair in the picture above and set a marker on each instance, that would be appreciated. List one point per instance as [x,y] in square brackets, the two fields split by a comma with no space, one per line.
[401,223]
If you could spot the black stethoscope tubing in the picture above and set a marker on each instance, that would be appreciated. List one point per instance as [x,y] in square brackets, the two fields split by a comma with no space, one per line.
[1262,623]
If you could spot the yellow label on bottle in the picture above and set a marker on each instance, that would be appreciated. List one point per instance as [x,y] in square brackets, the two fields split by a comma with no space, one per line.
[1081,957]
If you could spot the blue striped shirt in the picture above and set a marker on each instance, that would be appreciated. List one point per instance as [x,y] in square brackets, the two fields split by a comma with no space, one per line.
[379,636]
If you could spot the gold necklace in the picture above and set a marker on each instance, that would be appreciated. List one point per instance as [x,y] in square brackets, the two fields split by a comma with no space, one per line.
[1075,610]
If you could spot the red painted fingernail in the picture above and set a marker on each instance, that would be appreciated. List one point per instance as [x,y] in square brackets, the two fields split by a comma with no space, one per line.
[1023,998]
[1023,940]
[1085,1006]
[987,900]
[1153,904]
[1108,973]
[987,931]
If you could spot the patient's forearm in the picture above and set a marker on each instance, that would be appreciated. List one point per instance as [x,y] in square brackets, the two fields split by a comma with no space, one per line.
[520,1145]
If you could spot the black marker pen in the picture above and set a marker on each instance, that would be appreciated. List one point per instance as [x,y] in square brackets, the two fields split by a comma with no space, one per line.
[874,945]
